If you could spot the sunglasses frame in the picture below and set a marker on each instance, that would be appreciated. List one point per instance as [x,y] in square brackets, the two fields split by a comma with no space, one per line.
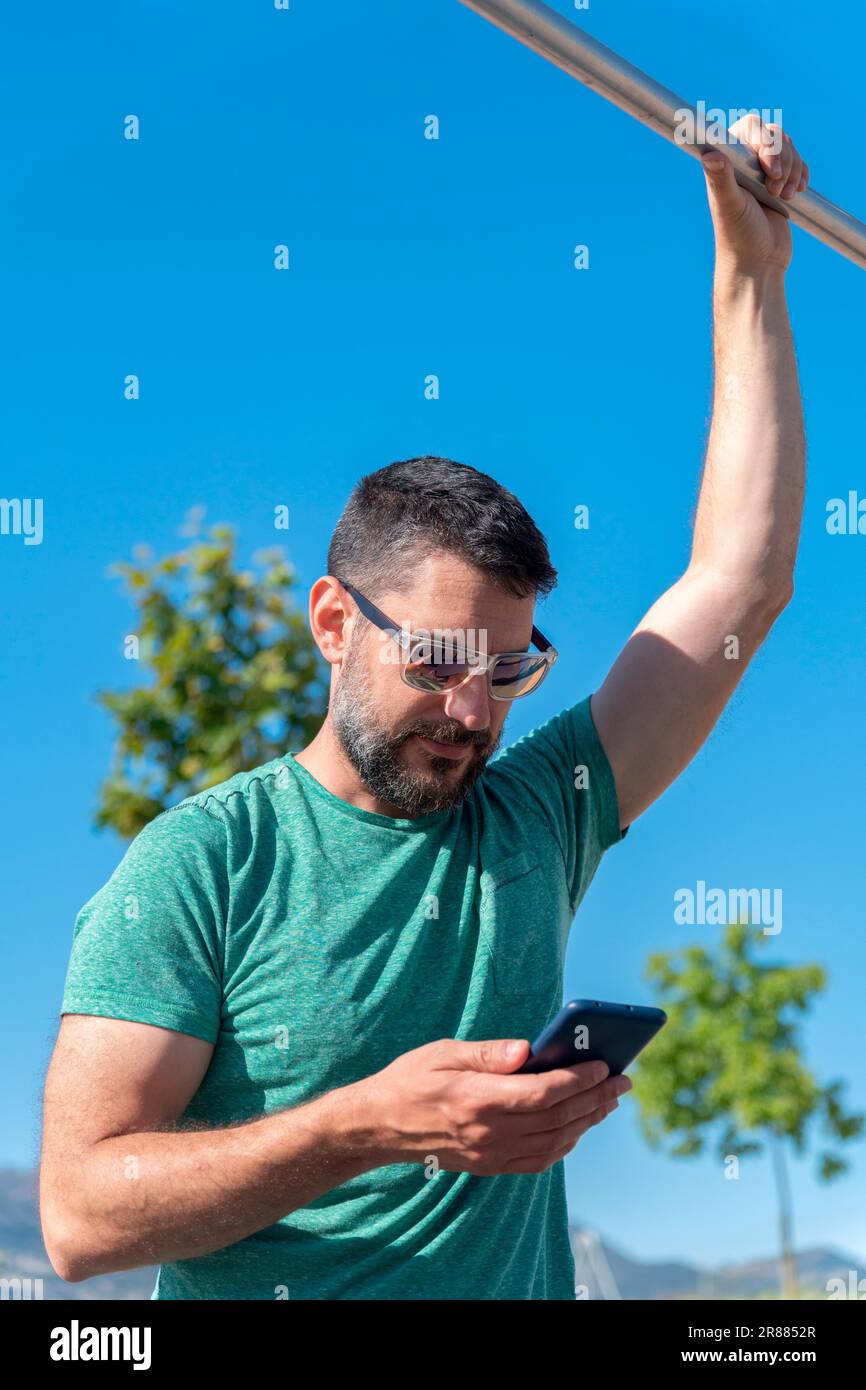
[381,620]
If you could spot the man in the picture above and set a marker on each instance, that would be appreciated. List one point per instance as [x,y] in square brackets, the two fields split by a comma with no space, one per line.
[294,1016]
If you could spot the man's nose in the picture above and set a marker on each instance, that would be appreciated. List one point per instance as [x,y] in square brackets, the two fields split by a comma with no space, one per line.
[470,704]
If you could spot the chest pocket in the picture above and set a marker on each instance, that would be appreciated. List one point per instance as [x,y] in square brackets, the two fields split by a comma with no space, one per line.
[520,929]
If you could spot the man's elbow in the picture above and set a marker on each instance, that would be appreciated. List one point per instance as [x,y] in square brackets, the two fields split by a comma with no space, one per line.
[70,1242]
[66,1253]
[772,600]
[782,598]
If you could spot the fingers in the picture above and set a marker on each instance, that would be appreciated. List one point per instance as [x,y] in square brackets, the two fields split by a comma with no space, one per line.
[500,1055]
[785,170]
[727,200]
[774,154]
[567,1112]
[521,1094]
[569,1122]
[542,1151]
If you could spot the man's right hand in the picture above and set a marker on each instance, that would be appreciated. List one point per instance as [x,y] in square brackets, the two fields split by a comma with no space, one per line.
[458,1102]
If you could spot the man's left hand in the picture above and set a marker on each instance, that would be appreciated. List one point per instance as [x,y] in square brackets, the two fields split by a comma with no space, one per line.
[749,235]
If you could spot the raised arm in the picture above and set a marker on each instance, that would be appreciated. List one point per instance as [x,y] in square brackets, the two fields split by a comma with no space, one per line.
[681,665]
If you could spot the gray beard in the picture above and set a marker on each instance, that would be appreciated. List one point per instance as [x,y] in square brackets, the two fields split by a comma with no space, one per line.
[374,753]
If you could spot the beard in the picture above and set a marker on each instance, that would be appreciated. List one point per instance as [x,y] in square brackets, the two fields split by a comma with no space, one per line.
[375,751]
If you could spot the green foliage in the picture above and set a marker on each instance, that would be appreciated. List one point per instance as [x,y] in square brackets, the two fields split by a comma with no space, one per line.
[236,676]
[730,1056]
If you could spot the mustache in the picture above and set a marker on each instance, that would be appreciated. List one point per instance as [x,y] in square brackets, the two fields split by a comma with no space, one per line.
[456,737]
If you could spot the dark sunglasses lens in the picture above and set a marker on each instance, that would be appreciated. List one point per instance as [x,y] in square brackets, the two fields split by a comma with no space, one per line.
[511,678]
[518,676]
[427,675]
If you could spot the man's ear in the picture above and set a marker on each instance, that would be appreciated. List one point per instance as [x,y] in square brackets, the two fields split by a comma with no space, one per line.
[331,622]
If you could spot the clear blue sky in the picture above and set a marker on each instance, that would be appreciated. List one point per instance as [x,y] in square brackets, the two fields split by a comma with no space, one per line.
[410,257]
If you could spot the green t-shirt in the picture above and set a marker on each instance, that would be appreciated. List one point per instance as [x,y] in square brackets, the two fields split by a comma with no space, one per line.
[312,942]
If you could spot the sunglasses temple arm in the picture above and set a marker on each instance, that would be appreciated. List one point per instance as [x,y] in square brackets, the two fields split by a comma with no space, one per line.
[381,620]
[372,613]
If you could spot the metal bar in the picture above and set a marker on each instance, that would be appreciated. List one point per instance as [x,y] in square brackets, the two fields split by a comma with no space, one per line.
[559,41]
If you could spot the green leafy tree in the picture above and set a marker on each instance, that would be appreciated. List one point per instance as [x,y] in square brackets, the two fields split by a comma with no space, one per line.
[729,1062]
[236,677]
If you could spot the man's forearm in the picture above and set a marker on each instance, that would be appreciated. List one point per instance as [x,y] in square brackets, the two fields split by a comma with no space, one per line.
[147,1198]
[751,499]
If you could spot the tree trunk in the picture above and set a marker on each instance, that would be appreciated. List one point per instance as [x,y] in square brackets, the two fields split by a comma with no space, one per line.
[788,1265]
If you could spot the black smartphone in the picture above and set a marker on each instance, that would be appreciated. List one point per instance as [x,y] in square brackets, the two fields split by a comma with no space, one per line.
[590,1030]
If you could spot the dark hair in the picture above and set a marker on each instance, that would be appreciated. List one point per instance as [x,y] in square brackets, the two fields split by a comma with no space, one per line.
[398,515]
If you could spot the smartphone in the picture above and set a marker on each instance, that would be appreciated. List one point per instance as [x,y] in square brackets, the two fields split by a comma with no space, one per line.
[590,1030]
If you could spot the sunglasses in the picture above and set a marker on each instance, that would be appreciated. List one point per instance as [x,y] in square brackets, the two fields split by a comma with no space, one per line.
[426,664]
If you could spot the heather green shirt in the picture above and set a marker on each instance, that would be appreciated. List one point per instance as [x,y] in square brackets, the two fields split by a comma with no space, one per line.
[311,943]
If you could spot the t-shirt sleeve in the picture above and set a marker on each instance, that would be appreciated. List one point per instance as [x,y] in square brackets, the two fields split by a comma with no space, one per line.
[560,773]
[149,946]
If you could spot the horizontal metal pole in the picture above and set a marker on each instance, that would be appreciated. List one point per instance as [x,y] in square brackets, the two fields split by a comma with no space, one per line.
[568,47]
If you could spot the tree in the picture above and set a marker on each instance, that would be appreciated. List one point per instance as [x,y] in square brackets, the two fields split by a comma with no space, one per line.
[730,1058]
[236,676]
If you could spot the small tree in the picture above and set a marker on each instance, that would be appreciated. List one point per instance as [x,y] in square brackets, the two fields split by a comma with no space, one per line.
[236,676]
[730,1058]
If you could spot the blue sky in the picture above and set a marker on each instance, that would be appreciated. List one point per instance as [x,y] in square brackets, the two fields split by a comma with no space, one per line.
[411,257]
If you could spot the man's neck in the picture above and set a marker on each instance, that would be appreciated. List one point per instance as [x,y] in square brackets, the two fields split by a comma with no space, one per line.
[325,760]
